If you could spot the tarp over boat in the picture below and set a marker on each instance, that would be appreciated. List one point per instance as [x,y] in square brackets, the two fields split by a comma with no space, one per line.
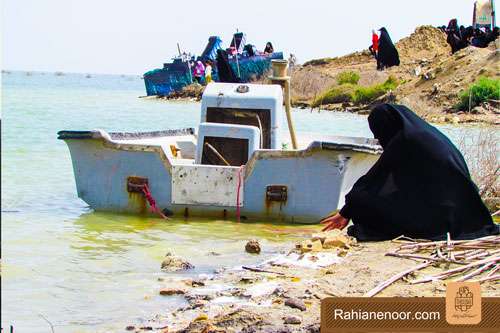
[210,52]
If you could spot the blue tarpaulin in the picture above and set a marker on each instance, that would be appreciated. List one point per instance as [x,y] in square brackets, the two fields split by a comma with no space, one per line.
[174,76]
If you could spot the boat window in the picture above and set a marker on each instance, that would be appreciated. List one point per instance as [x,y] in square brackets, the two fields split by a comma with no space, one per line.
[243,117]
[218,151]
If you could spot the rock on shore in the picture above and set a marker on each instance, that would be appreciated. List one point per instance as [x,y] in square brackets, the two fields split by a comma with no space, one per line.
[253,246]
[173,263]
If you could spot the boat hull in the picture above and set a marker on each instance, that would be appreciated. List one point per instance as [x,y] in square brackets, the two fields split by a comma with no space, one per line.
[298,186]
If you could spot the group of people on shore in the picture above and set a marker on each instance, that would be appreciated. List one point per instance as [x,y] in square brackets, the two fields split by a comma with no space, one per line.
[459,37]
[384,50]
[202,71]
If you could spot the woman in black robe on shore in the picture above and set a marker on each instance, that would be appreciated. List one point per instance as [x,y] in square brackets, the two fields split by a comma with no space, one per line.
[224,70]
[420,187]
[388,55]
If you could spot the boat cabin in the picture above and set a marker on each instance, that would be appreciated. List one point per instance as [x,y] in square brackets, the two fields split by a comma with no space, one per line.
[236,120]
[202,173]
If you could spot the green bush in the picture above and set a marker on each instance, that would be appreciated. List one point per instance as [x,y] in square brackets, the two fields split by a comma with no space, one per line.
[348,77]
[481,91]
[337,94]
[364,95]
[348,92]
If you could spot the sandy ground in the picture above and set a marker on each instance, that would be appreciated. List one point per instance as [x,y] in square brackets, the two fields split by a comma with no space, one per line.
[239,300]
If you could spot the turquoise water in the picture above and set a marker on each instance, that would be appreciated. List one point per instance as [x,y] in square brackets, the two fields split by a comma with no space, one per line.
[87,271]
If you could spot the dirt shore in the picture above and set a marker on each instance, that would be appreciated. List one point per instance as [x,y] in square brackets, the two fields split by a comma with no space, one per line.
[430,78]
[285,294]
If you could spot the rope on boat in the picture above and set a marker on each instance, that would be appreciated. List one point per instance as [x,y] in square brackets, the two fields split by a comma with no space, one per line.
[261,132]
[152,202]
[238,194]
[216,152]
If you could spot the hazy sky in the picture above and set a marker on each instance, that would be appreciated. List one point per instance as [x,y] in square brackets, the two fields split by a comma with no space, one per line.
[125,36]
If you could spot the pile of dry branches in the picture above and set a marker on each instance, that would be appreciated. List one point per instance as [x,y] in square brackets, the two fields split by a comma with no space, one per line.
[476,260]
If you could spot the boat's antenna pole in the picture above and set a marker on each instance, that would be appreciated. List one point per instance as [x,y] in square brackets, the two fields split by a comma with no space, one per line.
[237,63]
[188,63]
[279,77]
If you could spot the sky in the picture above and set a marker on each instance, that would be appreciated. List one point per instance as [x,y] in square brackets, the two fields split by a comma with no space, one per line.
[132,36]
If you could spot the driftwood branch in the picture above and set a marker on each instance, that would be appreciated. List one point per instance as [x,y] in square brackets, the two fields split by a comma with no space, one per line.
[395,278]
[477,258]
[416,256]
[495,277]
[258,270]
[475,272]
[494,270]
[456,270]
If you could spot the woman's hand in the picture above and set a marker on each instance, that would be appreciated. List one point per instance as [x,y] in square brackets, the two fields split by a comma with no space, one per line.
[334,222]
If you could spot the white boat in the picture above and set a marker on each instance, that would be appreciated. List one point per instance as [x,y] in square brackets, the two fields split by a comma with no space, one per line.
[238,163]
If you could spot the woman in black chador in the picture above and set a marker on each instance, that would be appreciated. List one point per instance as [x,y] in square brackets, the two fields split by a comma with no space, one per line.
[269,48]
[224,70]
[388,56]
[420,187]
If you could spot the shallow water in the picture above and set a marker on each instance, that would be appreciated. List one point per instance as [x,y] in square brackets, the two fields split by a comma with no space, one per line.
[87,271]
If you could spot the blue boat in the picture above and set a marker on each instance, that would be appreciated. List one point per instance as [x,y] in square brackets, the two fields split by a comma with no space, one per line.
[246,62]
[237,163]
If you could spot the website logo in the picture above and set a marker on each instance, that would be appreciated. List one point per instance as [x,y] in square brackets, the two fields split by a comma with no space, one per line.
[463,303]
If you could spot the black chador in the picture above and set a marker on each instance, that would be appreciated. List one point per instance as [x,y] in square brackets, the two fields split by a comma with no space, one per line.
[420,187]
[388,56]
[224,70]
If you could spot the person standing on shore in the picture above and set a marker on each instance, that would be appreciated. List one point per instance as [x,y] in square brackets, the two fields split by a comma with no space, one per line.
[388,55]
[199,71]
[208,72]
[374,47]
[292,60]
[454,36]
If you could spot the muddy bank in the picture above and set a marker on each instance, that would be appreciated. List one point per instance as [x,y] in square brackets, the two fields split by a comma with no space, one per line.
[487,114]
[283,293]
[192,93]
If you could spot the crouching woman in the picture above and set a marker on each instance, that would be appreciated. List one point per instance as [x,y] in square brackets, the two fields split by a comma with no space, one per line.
[420,187]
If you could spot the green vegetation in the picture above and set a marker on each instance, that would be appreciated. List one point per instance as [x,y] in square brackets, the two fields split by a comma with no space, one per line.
[481,91]
[318,62]
[348,92]
[348,77]
[364,95]
[337,94]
